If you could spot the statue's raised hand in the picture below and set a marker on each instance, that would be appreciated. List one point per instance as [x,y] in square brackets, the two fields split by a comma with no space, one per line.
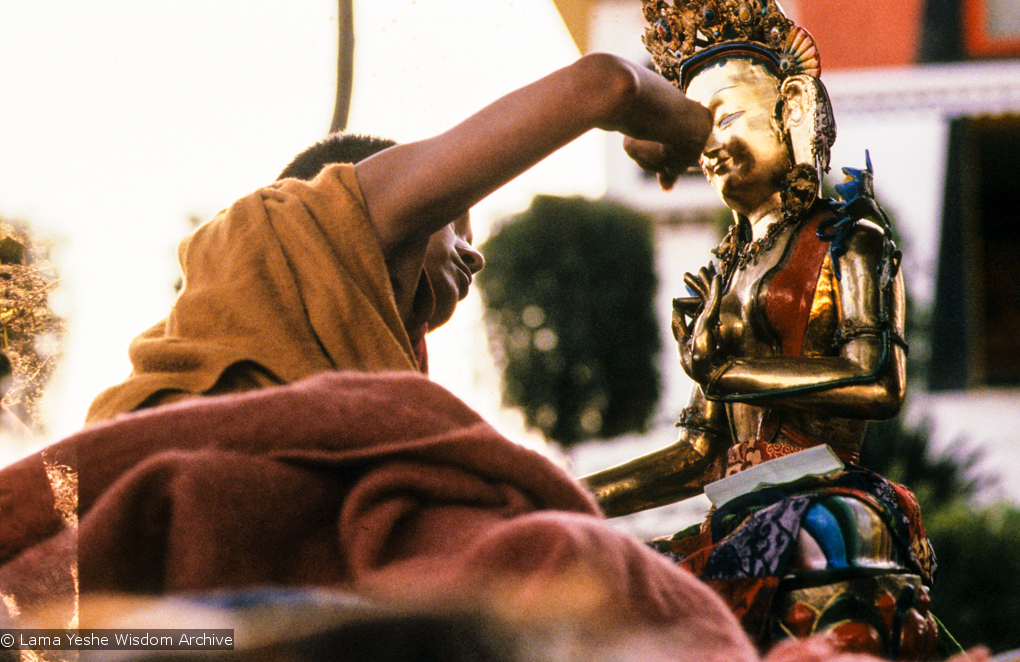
[698,339]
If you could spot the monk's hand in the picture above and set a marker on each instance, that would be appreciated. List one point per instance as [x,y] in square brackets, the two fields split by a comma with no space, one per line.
[698,341]
[664,130]
[667,162]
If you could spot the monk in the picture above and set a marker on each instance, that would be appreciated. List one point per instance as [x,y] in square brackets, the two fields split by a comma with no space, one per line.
[303,277]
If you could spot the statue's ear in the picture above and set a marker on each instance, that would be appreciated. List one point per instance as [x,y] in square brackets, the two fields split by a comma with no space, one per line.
[807,119]
[796,96]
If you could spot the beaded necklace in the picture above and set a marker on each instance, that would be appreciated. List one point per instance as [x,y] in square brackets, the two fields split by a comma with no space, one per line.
[737,249]
[736,252]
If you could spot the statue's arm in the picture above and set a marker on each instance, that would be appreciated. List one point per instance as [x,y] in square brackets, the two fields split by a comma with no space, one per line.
[673,473]
[865,379]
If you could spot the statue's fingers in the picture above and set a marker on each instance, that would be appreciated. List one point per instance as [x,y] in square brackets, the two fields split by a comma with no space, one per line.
[714,301]
[681,329]
[705,274]
[684,308]
[695,286]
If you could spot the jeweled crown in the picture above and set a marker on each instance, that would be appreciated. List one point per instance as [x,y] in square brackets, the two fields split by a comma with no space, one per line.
[683,34]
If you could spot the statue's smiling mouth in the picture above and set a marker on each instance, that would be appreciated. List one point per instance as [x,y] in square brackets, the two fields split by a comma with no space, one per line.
[717,166]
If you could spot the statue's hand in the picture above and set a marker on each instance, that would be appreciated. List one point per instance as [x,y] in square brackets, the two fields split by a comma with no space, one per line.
[690,307]
[699,340]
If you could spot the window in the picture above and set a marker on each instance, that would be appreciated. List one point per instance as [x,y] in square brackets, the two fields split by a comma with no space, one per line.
[976,320]
[991,27]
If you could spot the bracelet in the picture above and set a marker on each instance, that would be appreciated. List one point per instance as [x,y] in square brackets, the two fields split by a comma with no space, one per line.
[691,419]
[716,375]
[849,331]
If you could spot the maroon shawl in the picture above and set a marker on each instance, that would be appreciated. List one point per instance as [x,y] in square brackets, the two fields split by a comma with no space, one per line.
[386,485]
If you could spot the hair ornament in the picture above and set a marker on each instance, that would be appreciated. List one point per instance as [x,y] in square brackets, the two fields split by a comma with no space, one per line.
[684,34]
[800,54]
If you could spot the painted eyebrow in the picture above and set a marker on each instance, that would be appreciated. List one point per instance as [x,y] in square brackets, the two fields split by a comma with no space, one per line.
[721,89]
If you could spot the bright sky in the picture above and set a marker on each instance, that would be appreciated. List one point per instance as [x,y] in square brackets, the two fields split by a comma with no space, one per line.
[120,119]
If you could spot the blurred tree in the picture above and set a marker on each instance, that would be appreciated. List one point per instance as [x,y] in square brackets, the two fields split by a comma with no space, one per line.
[977,588]
[569,288]
[30,333]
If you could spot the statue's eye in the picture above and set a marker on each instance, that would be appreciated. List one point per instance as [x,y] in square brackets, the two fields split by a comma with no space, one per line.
[730,119]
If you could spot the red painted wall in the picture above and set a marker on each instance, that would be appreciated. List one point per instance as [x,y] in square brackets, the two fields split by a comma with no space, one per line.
[863,33]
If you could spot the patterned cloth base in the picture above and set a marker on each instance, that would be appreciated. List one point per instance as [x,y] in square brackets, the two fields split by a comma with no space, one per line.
[858,533]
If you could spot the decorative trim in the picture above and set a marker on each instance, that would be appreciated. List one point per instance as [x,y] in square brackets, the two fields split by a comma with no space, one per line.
[949,90]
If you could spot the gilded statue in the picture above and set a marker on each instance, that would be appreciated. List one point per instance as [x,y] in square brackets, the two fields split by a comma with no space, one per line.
[793,336]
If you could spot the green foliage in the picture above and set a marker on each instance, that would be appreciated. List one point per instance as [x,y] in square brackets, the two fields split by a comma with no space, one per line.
[569,288]
[977,586]
[901,454]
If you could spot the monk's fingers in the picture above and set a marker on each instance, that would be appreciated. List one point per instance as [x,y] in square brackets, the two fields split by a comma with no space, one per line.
[648,154]
[666,181]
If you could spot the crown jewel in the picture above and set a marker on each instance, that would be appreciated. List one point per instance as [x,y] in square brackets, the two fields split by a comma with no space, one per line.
[686,32]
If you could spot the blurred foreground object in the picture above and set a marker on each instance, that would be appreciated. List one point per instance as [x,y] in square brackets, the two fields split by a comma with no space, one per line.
[381,485]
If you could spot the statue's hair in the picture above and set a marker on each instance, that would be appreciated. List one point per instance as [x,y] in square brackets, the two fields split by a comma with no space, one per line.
[334,148]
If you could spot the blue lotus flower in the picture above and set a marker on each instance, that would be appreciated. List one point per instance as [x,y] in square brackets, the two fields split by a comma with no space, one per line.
[858,194]
[858,183]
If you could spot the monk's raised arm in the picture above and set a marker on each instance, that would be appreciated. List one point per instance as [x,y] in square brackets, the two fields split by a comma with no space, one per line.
[413,190]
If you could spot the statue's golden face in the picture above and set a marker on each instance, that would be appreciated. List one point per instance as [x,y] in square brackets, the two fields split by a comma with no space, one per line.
[745,159]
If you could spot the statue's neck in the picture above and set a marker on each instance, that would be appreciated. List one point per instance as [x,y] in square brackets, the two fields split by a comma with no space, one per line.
[764,216]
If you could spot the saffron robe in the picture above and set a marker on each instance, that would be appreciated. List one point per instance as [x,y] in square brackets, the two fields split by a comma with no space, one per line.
[288,282]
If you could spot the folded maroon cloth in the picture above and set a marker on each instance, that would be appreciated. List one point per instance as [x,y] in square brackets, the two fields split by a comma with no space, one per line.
[386,485]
